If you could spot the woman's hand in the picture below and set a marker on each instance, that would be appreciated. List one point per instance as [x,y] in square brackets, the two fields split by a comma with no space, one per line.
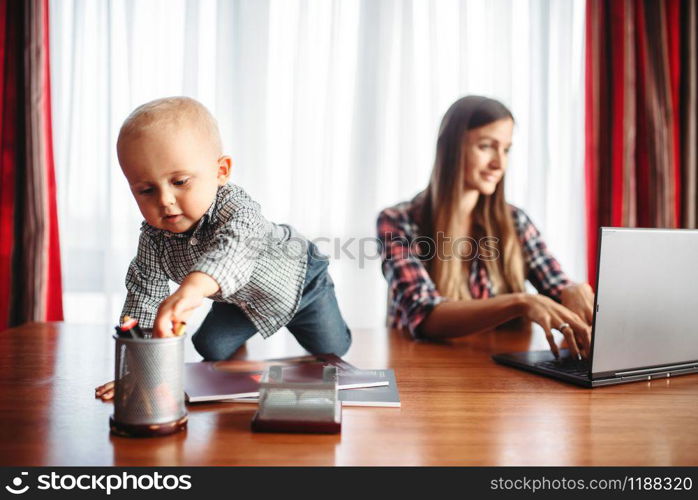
[549,314]
[579,298]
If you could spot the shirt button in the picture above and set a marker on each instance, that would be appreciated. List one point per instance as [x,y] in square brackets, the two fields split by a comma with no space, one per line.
[193,241]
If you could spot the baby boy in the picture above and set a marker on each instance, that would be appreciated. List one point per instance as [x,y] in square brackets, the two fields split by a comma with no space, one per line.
[210,237]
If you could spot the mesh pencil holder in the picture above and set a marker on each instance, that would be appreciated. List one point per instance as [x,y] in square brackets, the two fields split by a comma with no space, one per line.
[149,392]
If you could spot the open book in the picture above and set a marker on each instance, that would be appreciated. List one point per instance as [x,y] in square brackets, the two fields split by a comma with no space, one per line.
[224,380]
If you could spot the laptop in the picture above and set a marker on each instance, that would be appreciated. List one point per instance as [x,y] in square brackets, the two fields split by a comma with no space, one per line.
[645,324]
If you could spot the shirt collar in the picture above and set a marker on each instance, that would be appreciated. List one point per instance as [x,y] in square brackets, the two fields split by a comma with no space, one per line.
[210,217]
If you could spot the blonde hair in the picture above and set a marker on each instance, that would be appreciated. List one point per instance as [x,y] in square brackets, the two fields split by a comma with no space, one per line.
[175,111]
[491,216]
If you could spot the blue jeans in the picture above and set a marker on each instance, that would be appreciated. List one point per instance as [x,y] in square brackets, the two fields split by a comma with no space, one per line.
[317,325]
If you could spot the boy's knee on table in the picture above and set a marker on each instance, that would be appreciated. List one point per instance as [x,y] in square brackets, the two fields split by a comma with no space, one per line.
[213,348]
[341,344]
[327,339]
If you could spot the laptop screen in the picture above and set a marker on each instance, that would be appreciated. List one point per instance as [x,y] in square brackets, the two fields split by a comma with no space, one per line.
[647,299]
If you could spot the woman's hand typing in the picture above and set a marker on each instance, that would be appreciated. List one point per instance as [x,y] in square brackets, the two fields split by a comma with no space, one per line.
[579,298]
[551,315]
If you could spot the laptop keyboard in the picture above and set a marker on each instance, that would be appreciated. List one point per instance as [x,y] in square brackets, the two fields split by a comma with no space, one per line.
[569,365]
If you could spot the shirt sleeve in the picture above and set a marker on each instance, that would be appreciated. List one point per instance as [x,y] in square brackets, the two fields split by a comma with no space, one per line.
[232,253]
[543,270]
[146,283]
[412,291]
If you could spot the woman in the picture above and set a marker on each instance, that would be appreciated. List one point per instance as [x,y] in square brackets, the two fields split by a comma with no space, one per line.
[459,240]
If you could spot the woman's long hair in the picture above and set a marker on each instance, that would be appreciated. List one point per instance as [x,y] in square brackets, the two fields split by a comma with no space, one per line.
[491,216]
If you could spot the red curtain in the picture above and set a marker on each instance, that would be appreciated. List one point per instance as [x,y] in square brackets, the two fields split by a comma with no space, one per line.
[30,270]
[640,116]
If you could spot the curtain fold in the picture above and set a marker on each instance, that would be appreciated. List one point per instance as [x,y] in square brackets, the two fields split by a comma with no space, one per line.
[10,62]
[689,119]
[30,271]
[640,116]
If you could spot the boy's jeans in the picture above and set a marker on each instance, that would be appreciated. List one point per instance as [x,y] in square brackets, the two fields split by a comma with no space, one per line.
[317,325]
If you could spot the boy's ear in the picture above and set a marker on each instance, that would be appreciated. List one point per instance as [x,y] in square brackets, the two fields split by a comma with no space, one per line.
[225,165]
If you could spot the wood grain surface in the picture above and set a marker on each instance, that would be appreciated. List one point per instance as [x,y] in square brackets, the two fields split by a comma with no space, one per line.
[458,408]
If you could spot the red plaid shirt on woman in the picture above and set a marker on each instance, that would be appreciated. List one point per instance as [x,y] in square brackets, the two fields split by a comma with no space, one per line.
[412,291]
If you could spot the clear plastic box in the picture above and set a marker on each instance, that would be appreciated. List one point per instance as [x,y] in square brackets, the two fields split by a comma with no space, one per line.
[312,407]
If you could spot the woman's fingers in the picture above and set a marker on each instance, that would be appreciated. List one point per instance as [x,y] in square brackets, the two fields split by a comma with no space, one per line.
[564,322]
[589,307]
[590,313]
[584,340]
[578,334]
[552,315]
[587,304]
[581,332]
[571,341]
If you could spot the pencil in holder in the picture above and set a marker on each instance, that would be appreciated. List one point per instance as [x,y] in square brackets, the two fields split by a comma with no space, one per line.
[149,386]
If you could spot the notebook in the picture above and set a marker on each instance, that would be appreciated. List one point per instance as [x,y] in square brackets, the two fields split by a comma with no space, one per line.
[222,380]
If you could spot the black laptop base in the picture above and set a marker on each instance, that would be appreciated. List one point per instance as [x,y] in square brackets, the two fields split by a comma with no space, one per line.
[540,361]
[569,370]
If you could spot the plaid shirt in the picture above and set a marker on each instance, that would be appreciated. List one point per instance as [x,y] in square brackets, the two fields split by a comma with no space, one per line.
[260,266]
[412,291]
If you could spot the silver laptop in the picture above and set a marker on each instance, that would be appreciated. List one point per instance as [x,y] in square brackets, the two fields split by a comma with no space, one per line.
[645,323]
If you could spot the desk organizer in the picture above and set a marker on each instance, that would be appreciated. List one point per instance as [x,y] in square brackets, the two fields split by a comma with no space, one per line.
[149,392]
[312,407]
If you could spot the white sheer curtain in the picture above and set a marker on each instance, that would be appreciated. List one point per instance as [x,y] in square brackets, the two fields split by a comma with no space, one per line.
[329,109]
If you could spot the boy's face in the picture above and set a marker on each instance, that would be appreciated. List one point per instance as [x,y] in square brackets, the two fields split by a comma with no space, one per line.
[174,175]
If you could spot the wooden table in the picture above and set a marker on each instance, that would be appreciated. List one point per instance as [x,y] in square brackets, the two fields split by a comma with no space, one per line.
[458,408]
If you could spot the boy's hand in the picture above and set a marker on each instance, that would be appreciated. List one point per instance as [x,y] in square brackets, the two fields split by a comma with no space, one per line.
[177,308]
[174,310]
[105,392]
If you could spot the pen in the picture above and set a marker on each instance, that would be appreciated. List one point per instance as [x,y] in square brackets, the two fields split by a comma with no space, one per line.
[130,325]
[122,334]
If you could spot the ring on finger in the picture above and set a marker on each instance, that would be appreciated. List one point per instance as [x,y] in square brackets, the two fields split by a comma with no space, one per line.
[563,326]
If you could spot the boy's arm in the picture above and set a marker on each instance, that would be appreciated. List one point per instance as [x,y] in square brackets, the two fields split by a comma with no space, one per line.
[230,257]
[224,268]
[146,284]
[177,308]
